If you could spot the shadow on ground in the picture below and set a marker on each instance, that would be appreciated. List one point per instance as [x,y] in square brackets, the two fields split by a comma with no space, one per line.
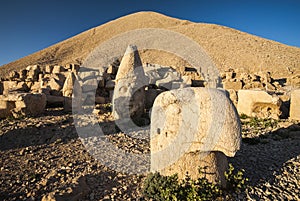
[264,156]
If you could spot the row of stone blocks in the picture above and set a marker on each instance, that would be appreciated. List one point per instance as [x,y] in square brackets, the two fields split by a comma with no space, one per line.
[190,127]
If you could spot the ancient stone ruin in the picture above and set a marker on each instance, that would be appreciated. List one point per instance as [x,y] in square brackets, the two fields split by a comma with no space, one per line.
[194,127]
[129,93]
[200,124]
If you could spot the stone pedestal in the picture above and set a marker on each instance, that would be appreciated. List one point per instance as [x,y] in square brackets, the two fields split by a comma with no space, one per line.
[212,166]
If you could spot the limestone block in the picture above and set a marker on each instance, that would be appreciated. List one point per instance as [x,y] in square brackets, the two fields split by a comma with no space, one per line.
[68,90]
[8,86]
[55,84]
[60,77]
[1,88]
[112,69]
[168,79]
[86,75]
[295,105]
[256,103]
[26,103]
[233,85]
[23,74]
[36,87]
[54,100]
[33,72]
[72,67]
[90,85]
[6,107]
[254,85]
[21,87]
[270,87]
[13,75]
[58,69]
[33,68]
[48,69]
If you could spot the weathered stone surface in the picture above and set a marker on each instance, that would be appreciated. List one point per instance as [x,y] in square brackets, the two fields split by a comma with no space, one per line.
[233,96]
[48,69]
[265,77]
[33,72]
[256,103]
[213,165]
[26,103]
[13,75]
[23,74]
[254,85]
[54,100]
[8,86]
[60,77]
[270,87]
[14,86]
[55,86]
[1,87]
[6,107]
[71,89]
[22,87]
[168,79]
[58,69]
[192,120]
[89,85]
[33,68]
[233,85]
[162,76]
[72,67]
[86,75]
[129,94]
[294,81]
[112,69]
[295,105]
[36,87]
[187,80]
[131,64]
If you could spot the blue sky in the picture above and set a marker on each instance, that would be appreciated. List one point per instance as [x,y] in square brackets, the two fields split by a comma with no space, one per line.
[31,25]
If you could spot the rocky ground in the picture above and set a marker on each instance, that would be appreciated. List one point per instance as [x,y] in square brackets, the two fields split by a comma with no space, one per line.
[43,158]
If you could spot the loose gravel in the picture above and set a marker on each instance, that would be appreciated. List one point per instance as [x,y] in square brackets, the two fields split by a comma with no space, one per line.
[43,158]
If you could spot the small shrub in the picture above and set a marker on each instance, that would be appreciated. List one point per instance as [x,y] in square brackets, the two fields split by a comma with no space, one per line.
[263,123]
[243,116]
[236,182]
[158,187]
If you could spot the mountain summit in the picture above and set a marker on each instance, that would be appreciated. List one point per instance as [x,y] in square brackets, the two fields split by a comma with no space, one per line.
[229,48]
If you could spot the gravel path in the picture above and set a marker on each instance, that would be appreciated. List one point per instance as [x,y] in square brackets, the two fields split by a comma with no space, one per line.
[42,158]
